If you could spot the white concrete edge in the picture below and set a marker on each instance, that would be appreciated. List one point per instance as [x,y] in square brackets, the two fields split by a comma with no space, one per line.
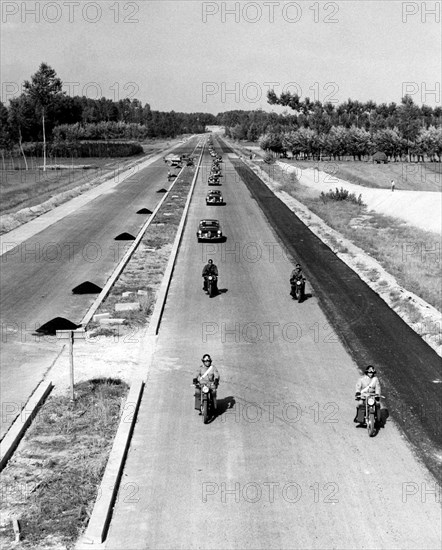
[307,217]
[15,433]
[15,237]
[117,271]
[107,492]
[155,320]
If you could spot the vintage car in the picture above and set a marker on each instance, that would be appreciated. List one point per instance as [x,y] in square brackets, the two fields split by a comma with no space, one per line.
[214,197]
[209,230]
[213,180]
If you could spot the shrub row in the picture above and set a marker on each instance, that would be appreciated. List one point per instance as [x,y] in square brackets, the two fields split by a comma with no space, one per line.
[87,149]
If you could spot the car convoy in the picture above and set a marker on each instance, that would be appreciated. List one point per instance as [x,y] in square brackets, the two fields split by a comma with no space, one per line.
[210,229]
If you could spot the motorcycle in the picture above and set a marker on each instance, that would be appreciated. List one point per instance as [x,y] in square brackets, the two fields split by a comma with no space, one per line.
[298,288]
[371,406]
[211,285]
[208,400]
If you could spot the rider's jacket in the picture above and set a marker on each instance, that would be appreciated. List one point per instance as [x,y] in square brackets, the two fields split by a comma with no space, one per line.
[210,269]
[368,386]
[211,377]
[296,275]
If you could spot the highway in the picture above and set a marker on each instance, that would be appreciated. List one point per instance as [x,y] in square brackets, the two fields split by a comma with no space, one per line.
[38,276]
[283,465]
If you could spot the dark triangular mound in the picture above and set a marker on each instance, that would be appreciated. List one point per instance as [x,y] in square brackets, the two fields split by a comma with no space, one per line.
[124,237]
[144,211]
[57,323]
[87,288]
[162,190]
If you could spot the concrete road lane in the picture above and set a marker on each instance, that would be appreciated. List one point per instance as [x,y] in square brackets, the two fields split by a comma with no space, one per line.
[283,465]
[38,276]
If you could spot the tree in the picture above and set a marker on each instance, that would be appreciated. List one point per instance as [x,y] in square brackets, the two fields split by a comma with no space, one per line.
[253,132]
[336,142]
[43,88]
[409,120]
[358,142]
[388,141]
[5,132]
[20,120]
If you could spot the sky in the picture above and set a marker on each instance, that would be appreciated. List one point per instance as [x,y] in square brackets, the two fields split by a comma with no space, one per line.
[218,56]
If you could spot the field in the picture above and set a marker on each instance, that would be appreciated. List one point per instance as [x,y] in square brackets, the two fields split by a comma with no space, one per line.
[409,176]
[423,176]
[20,188]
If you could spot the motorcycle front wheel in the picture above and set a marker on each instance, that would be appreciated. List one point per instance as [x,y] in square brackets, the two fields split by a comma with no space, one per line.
[371,425]
[205,412]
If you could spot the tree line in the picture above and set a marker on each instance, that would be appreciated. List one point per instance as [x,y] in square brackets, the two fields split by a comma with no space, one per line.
[43,112]
[352,128]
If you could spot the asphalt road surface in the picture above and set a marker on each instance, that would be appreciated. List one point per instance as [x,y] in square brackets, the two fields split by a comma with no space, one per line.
[371,331]
[38,277]
[283,465]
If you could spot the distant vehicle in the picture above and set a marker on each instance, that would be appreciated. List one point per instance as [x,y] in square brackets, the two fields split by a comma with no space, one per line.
[209,230]
[173,160]
[213,180]
[214,197]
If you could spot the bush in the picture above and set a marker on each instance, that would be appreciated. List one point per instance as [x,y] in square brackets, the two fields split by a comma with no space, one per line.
[268,158]
[341,195]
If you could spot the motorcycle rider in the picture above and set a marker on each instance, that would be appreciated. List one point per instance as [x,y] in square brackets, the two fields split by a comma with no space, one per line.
[207,372]
[296,275]
[367,385]
[209,269]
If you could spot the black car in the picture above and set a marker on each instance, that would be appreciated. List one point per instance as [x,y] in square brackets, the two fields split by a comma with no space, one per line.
[209,230]
[214,197]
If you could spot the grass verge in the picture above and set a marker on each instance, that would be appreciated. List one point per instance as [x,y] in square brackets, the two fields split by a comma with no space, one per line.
[50,485]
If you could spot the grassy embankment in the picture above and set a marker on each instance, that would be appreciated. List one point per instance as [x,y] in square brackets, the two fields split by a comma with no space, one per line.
[424,176]
[51,483]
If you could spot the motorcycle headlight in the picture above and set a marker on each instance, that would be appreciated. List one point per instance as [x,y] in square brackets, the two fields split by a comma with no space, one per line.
[205,389]
[371,401]
[210,277]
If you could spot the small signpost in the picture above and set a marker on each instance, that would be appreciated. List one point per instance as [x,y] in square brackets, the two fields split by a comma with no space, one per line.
[71,335]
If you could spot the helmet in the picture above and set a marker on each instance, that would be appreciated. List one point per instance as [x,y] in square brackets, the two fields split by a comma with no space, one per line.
[206,357]
[371,368]
[210,261]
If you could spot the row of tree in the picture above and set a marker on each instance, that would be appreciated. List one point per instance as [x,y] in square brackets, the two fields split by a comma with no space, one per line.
[356,142]
[44,112]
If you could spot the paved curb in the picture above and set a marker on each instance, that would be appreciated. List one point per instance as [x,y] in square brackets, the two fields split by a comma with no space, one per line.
[22,422]
[99,522]
[107,493]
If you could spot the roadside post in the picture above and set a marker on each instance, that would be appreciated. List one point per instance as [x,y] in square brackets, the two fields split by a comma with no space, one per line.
[71,335]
